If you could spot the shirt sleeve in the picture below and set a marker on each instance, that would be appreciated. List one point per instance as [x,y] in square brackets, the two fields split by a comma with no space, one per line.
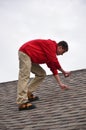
[54,66]
[52,60]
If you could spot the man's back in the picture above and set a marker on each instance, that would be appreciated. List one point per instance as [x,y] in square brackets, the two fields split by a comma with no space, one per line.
[40,50]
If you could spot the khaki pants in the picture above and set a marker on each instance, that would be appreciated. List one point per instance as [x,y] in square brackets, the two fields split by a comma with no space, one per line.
[25,67]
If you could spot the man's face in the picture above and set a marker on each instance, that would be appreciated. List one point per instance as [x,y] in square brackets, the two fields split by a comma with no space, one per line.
[60,50]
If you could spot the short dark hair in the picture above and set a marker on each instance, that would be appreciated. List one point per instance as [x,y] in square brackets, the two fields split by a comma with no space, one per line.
[64,45]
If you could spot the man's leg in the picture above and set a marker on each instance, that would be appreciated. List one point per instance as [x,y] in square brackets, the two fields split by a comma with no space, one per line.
[24,75]
[39,77]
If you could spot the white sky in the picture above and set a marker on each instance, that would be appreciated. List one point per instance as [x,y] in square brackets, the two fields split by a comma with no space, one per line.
[24,20]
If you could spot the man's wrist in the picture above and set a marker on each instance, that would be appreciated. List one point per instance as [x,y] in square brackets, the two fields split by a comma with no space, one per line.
[60,84]
[62,71]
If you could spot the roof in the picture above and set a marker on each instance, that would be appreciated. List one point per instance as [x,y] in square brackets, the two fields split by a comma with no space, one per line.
[56,110]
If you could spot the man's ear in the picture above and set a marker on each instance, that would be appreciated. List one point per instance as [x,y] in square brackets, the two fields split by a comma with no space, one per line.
[60,47]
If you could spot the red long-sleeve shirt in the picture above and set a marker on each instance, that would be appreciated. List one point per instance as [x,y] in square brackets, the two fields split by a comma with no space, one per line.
[42,51]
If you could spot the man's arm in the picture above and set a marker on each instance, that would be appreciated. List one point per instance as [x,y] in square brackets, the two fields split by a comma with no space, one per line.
[63,86]
[66,73]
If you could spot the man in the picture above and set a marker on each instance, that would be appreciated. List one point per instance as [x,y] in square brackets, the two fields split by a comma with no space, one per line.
[31,54]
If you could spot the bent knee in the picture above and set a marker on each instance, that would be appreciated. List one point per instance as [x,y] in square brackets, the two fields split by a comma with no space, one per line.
[43,74]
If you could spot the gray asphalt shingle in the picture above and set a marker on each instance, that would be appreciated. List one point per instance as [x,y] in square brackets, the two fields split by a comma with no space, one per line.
[56,109]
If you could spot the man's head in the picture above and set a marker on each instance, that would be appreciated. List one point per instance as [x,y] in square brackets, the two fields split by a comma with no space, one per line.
[62,47]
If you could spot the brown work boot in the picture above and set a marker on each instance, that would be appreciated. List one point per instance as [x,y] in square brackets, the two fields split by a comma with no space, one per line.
[26,106]
[31,97]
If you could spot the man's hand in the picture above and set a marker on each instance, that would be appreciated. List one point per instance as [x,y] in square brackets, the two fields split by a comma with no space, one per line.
[67,74]
[64,87]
